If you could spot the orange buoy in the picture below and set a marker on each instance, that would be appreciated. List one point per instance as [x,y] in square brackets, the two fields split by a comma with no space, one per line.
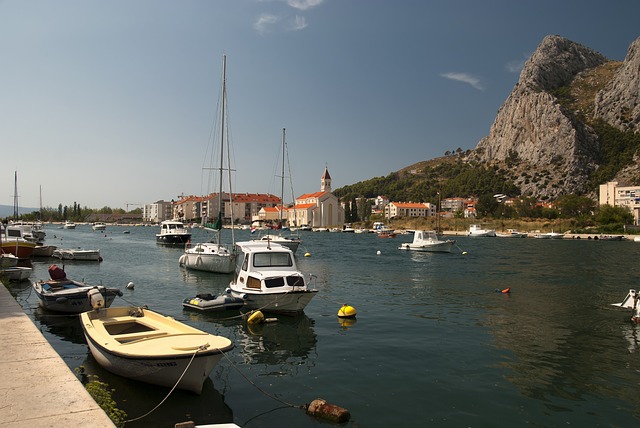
[506,290]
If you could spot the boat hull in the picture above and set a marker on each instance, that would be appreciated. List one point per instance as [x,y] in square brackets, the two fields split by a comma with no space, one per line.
[440,247]
[179,239]
[72,301]
[80,255]
[20,248]
[145,346]
[16,273]
[208,258]
[292,302]
[157,371]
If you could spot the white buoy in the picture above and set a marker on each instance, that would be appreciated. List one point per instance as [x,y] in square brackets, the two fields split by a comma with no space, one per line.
[378,252]
[130,285]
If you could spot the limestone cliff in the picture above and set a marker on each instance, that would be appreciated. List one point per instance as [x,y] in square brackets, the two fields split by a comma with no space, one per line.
[545,142]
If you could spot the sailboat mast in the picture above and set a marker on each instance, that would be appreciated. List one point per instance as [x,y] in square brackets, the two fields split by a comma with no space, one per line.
[15,196]
[282,182]
[222,130]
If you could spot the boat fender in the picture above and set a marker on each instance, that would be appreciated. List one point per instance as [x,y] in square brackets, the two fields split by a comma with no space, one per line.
[347,311]
[256,317]
[198,261]
[61,300]
[181,260]
[321,409]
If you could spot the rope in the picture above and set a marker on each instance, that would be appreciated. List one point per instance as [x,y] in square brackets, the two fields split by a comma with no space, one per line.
[172,389]
[260,389]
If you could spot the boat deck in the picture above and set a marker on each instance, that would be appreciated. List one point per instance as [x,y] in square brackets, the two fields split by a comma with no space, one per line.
[39,388]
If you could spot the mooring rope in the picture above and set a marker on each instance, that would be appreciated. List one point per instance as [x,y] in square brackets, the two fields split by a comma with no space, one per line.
[260,389]
[201,348]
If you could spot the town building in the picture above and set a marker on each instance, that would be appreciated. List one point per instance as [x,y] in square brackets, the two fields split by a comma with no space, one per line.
[621,196]
[410,209]
[319,209]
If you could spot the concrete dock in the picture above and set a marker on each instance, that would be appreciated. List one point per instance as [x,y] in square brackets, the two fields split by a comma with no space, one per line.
[37,388]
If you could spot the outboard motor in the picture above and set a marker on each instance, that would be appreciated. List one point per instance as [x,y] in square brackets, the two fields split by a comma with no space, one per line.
[96,298]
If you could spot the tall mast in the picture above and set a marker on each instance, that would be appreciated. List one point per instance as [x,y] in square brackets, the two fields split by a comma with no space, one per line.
[15,196]
[282,182]
[222,130]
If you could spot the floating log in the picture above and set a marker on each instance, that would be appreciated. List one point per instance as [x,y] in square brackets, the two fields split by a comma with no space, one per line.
[321,409]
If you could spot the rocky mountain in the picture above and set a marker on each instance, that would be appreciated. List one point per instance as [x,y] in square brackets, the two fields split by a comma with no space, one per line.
[545,134]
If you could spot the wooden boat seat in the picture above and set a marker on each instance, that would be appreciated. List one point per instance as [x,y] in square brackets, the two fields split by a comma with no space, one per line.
[133,337]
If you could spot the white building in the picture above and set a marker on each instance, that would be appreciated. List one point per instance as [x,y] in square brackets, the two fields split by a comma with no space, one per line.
[319,209]
[621,196]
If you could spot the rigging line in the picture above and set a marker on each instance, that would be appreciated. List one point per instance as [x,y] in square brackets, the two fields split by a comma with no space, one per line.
[172,389]
[258,388]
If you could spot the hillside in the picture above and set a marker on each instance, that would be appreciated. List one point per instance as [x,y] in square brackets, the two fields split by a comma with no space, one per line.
[571,122]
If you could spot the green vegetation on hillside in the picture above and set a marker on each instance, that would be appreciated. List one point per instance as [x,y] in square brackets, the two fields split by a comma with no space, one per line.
[451,179]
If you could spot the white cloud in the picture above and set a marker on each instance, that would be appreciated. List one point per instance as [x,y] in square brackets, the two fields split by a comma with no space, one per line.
[265,22]
[517,65]
[465,78]
[304,4]
[298,23]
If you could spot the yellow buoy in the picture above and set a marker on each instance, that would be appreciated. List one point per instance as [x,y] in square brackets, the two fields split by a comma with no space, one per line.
[347,311]
[307,254]
[256,318]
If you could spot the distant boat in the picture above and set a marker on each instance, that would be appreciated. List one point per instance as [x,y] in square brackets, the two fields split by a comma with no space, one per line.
[549,235]
[479,230]
[99,226]
[428,241]
[173,232]
[77,254]
[511,233]
[69,225]
[16,273]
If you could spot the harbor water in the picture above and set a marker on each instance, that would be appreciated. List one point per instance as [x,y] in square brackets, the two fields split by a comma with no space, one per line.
[434,342]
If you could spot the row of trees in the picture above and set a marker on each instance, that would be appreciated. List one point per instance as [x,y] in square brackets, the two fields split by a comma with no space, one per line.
[70,212]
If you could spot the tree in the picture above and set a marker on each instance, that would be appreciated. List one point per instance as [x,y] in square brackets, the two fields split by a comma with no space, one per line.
[487,205]
[611,215]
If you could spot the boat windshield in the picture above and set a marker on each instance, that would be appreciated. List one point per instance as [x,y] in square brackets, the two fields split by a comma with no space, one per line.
[261,260]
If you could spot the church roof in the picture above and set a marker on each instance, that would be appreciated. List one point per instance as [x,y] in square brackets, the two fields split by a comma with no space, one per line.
[325,175]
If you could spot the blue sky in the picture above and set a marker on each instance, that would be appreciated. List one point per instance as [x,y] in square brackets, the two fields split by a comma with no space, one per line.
[105,103]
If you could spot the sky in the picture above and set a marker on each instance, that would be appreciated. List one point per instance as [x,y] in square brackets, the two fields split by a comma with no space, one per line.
[112,103]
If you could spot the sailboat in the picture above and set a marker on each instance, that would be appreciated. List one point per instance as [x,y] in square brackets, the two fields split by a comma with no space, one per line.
[213,256]
[289,242]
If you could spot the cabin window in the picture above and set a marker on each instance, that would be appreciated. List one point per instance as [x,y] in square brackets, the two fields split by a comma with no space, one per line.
[295,281]
[245,263]
[274,282]
[253,282]
[272,260]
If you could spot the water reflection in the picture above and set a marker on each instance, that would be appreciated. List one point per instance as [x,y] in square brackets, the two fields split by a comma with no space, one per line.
[289,341]
[138,398]
[66,327]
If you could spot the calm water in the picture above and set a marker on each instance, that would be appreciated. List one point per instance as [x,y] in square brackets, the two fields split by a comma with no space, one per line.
[433,343]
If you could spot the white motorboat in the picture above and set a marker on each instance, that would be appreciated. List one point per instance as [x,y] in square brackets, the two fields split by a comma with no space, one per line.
[631,301]
[77,254]
[61,294]
[99,226]
[267,278]
[146,346]
[16,273]
[512,233]
[480,230]
[173,232]
[427,240]
[549,235]
[69,225]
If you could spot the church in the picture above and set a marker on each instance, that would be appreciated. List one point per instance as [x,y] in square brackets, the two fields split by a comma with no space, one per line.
[318,210]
